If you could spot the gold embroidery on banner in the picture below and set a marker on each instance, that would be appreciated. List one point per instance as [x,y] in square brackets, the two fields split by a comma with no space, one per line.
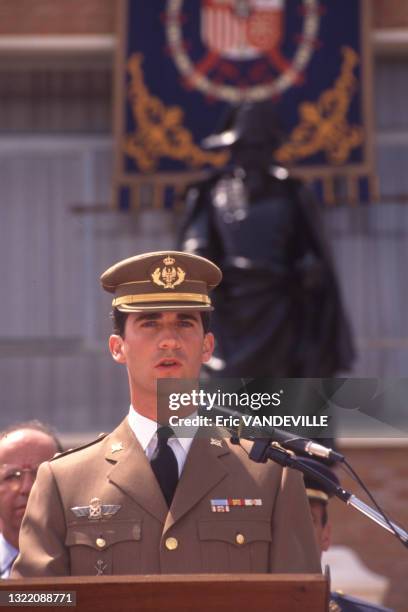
[159,129]
[323,125]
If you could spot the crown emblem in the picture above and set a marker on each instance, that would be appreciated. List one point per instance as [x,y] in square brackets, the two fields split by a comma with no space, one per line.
[95,508]
[169,276]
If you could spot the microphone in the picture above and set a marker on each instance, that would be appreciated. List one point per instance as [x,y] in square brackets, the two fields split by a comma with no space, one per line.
[303,445]
[286,439]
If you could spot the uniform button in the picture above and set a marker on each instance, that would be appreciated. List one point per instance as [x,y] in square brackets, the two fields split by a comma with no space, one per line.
[100,542]
[239,538]
[171,543]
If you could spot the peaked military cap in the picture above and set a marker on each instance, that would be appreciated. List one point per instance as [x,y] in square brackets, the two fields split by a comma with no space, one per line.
[314,488]
[164,280]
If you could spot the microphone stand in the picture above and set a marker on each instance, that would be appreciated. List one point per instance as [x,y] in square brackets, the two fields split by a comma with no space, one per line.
[264,449]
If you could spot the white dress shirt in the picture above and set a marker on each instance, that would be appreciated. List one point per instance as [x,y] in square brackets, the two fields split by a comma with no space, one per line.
[7,555]
[145,431]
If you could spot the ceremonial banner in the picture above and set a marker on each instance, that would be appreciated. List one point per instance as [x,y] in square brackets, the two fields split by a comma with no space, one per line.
[181,63]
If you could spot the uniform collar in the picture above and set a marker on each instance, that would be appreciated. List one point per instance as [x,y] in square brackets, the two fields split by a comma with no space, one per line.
[145,429]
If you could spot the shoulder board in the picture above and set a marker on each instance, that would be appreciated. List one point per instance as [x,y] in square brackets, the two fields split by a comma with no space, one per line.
[101,437]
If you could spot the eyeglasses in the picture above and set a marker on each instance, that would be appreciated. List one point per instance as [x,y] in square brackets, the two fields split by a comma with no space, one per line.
[12,475]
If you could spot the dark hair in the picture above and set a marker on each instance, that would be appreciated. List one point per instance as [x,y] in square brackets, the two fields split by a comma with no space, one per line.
[34,425]
[119,321]
[325,514]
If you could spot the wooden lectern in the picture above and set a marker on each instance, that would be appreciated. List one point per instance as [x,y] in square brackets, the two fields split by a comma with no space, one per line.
[179,593]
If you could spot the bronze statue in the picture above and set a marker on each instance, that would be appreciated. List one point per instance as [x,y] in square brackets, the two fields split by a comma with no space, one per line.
[278,310]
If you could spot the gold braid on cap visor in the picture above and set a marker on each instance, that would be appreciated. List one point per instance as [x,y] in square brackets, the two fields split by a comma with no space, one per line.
[316,494]
[161,297]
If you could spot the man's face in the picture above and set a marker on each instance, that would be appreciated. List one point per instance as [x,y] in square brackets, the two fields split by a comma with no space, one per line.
[323,532]
[161,345]
[24,449]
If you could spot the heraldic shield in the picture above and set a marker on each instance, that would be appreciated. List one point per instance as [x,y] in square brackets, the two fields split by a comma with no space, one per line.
[242,29]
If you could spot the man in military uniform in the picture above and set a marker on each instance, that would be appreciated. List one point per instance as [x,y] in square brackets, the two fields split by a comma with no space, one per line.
[319,496]
[278,310]
[143,501]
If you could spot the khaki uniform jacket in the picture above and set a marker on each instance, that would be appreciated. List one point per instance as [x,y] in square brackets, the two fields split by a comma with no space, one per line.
[144,536]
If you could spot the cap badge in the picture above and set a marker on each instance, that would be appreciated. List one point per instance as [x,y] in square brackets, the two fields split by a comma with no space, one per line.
[169,276]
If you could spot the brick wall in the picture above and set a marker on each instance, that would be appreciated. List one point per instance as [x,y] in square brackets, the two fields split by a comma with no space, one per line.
[57,16]
[385,472]
[97,16]
[390,13]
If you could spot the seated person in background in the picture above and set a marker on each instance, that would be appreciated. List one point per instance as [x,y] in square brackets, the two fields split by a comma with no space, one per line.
[23,447]
[318,498]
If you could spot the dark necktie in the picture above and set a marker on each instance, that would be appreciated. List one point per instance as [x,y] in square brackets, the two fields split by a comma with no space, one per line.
[164,464]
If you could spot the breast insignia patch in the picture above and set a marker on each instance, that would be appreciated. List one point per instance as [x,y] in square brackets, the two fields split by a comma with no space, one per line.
[96,510]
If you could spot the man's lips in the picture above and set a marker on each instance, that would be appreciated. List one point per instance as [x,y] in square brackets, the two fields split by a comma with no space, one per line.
[168,362]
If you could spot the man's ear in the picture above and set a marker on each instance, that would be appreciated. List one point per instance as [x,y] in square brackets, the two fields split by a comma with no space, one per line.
[208,347]
[326,537]
[116,348]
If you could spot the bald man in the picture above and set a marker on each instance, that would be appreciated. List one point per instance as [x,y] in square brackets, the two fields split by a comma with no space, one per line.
[23,447]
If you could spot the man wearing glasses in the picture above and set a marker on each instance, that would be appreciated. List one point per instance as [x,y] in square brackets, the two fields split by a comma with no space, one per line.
[22,448]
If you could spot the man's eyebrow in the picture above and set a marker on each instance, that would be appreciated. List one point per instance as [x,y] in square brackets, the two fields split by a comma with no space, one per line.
[185,316]
[155,316]
[148,316]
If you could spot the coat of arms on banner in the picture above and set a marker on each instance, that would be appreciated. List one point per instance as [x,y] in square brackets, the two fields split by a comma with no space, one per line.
[183,62]
[248,37]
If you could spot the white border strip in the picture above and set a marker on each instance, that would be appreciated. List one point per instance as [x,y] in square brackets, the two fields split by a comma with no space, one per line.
[389,40]
[62,143]
[93,43]
[382,39]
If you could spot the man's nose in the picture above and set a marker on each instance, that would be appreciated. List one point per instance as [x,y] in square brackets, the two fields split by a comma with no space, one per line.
[169,339]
